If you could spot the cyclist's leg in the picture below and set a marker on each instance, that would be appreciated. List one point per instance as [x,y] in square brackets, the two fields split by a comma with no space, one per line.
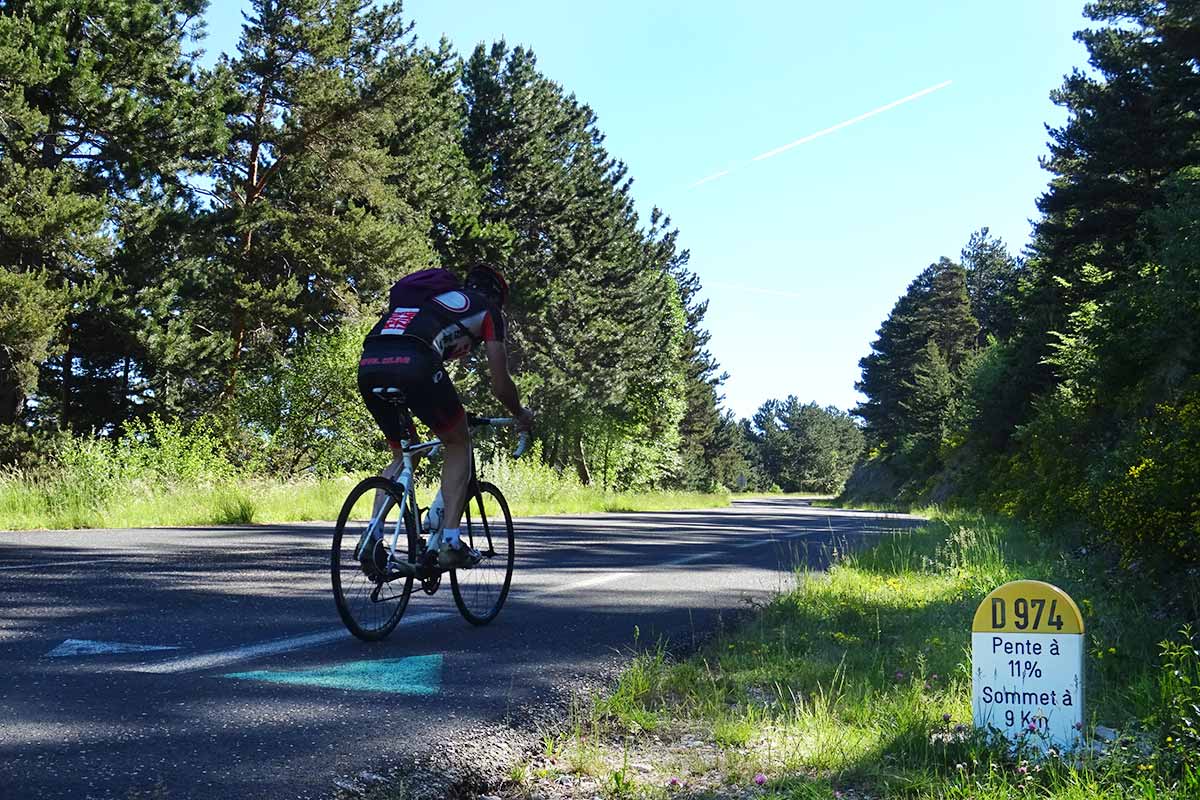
[374,373]
[437,404]
[456,471]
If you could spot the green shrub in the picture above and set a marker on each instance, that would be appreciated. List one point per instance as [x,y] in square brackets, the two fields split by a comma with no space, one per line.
[162,451]
[305,416]
[1151,506]
[1179,688]
[1045,478]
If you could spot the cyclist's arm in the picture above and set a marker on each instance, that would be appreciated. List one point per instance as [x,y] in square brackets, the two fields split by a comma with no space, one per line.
[502,383]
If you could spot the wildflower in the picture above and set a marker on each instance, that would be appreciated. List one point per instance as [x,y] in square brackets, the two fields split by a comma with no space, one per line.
[1022,769]
[960,728]
[760,779]
[961,767]
[946,718]
[1032,727]
[899,676]
[933,677]
[837,795]
[1078,726]
[674,783]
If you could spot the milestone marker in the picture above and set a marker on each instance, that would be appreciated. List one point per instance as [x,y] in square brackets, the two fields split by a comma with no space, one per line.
[1027,665]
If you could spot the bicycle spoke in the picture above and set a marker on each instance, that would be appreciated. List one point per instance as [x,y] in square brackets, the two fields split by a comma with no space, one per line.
[481,590]
[370,608]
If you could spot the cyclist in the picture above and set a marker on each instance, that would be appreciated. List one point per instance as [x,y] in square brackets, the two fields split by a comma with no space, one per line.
[431,319]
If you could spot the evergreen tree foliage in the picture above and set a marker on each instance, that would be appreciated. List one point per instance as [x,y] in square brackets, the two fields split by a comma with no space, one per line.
[596,311]
[1080,405]
[192,245]
[1133,124]
[992,281]
[806,448]
[910,377]
[30,315]
[100,109]
[304,218]
[707,438]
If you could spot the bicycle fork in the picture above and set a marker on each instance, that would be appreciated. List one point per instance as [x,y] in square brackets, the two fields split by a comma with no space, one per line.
[377,528]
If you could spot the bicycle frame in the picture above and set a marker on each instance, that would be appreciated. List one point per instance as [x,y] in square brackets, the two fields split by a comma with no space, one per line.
[408,497]
[405,480]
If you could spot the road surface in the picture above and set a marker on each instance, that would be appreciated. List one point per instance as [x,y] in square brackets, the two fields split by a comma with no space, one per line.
[210,663]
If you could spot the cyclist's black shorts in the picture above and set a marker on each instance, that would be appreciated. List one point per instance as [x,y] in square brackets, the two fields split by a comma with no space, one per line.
[416,370]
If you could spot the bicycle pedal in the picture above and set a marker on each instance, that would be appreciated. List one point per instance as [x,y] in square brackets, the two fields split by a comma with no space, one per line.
[402,569]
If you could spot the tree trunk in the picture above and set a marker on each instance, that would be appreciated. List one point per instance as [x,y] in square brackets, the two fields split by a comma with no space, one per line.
[12,399]
[253,189]
[607,449]
[125,403]
[68,372]
[239,338]
[581,467]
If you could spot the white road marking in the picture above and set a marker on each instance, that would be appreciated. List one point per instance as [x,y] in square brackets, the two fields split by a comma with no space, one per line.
[689,559]
[594,581]
[233,655]
[772,539]
[54,564]
[616,576]
[89,647]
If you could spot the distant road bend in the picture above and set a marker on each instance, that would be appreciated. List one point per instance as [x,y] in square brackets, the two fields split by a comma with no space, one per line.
[210,663]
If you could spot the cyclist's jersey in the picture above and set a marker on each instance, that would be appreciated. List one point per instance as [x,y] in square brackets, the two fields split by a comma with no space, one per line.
[451,323]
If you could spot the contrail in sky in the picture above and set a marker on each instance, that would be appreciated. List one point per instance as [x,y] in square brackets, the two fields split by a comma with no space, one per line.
[712,177]
[829,130]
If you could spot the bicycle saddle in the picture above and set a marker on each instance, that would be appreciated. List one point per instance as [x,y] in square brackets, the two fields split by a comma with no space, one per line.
[390,395]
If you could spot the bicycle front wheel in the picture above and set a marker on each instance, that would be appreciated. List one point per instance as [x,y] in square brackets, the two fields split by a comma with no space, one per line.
[370,597]
[479,592]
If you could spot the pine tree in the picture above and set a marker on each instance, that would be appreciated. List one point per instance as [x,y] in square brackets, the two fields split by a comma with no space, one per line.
[100,110]
[992,280]
[1133,124]
[304,216]
[929,335]
[804,447]
[596,313]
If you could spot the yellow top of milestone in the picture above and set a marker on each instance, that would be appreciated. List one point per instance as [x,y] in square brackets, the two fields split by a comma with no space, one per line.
[1028,607]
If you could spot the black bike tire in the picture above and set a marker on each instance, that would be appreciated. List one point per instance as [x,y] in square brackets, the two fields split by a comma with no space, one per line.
[476,497]
[344,611]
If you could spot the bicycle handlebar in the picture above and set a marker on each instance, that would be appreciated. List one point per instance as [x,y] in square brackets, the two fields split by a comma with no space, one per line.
[522,438]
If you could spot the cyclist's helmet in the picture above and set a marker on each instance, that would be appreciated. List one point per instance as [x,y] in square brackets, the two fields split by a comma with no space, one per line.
[489,280]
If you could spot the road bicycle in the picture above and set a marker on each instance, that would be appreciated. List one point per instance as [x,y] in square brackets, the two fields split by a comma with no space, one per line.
[381,554]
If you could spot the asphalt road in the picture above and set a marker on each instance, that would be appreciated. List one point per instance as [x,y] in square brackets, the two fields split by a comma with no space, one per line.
[254,690]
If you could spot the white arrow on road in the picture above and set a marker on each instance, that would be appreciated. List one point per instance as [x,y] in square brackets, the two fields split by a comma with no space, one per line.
[87,647]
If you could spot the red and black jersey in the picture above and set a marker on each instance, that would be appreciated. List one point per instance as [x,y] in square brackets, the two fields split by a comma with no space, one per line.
[452,323]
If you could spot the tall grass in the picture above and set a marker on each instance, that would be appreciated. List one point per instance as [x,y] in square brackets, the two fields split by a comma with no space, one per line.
[161,475]
[858,681]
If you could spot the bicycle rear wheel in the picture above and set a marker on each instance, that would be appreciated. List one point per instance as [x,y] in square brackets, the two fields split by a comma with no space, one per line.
[370,598]
[480,592]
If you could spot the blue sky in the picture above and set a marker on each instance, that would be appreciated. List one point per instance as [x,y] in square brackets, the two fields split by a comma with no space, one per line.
[804,253]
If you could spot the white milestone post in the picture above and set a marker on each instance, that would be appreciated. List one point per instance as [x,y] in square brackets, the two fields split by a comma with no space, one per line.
[1027,665]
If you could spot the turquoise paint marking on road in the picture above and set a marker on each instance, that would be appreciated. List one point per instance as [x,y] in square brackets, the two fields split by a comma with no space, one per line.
[87,647]
[419,675]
